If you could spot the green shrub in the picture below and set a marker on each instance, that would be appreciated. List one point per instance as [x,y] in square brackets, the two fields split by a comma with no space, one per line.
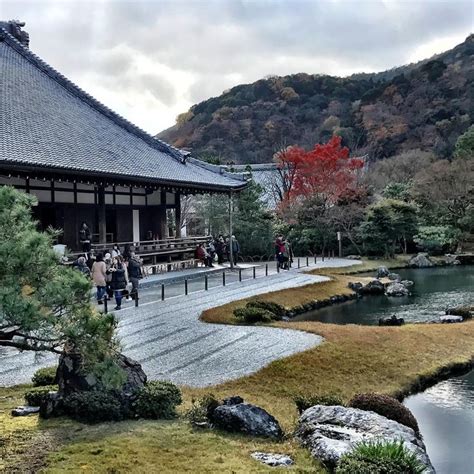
[202,409]
[45,376]
[254,315]
[303,402]
[158,400]
[34,396]
[386,406]
[437,239]
[94,406]
[275,308]
[380,458]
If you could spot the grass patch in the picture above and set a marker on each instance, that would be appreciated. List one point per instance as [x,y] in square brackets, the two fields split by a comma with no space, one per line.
[353,359]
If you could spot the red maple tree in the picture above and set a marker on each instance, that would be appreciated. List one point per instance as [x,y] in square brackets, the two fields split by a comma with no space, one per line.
[327,172]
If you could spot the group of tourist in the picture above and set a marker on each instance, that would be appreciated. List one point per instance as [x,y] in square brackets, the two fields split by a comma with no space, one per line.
[218,250]
[112,273]
[283,253]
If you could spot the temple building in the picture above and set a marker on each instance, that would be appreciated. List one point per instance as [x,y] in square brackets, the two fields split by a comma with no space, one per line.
[84,162]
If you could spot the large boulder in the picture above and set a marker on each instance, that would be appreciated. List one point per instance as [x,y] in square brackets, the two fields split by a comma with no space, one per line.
[394,277]
[331,431]
[383,272]
[396,289]
[246,418]
[72,378]
[420,261]
[374,287]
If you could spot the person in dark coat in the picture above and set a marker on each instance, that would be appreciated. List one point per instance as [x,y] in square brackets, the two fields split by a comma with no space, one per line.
[280,253]
[135,272]
[220,249]
[85,237]
[119,280]
[235,249]
[81,265]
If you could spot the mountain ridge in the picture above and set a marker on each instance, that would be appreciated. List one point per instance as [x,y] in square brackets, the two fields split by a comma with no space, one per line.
[424,105]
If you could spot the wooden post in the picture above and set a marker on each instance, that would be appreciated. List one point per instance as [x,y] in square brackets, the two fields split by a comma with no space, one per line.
[231,253]
[177,198]
[101,215]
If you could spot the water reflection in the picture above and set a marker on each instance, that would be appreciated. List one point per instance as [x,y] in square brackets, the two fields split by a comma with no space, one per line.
[435,290]
[445,414]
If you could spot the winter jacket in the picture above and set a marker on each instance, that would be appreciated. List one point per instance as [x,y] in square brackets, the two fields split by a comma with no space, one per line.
[85,234]
[99,270]
[134,268]
[119,278]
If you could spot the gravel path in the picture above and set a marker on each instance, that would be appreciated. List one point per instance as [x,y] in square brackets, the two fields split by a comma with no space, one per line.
[168,339]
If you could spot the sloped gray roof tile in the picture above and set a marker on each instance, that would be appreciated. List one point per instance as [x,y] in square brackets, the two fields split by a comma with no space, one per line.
[47,121]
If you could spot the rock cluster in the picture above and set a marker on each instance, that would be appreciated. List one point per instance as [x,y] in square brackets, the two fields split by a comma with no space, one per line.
[331,431]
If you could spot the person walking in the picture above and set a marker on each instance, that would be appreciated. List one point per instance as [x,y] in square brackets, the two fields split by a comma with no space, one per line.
[135,272]
[85,237]
[116,250]
[119,280]
[99,274]
[235,249]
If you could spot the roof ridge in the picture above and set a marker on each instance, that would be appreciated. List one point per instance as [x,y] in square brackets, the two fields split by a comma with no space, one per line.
[220,169]
[89,99]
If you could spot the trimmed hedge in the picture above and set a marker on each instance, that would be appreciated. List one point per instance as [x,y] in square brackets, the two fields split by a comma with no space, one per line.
[34,396]
[158,400]
[94,406]
[303,402]
[254,315]
[380,458]
[275,308]
[386,406]
[45,376]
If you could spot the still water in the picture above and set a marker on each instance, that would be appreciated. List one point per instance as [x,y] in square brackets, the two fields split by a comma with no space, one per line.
[445,413]
[435,290]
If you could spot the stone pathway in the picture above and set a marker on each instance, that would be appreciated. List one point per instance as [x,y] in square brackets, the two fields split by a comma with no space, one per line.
[168,339]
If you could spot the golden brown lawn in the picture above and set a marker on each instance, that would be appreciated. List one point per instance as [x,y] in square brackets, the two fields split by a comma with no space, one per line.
[352,359]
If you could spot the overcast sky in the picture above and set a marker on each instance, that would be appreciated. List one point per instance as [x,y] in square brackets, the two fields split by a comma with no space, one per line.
[150,60]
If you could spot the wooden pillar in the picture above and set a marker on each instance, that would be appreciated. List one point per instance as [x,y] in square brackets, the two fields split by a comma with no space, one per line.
[163,223]
[101,214]
[231,211]
[177,201]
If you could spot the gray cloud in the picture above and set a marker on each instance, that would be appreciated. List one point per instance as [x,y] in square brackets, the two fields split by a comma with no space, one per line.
[208,44]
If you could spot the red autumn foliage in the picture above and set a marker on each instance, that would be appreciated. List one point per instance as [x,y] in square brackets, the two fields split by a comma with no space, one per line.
[326,171]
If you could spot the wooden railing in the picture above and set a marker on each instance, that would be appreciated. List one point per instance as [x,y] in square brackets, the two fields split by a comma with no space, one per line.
[152,249]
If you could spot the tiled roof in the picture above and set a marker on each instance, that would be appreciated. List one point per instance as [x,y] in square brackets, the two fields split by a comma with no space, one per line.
[48,122]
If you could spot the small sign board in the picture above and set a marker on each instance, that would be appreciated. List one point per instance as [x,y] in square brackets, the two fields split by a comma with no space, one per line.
[339,236]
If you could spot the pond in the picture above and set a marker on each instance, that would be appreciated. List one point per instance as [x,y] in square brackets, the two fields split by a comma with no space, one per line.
[435,290]
[445,414]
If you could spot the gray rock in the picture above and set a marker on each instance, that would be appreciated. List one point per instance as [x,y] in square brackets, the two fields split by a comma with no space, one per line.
[382,272]
[451,260]
[51,405]
[273,460]
[374,287]
[25,411]
[392,321]
[72,379]
[331,431]
[394,277]
[407,283]
[246,418]
[396,289]
[420,261]
[451,319]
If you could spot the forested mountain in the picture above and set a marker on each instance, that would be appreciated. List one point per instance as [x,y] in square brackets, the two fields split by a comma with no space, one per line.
[420,106]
